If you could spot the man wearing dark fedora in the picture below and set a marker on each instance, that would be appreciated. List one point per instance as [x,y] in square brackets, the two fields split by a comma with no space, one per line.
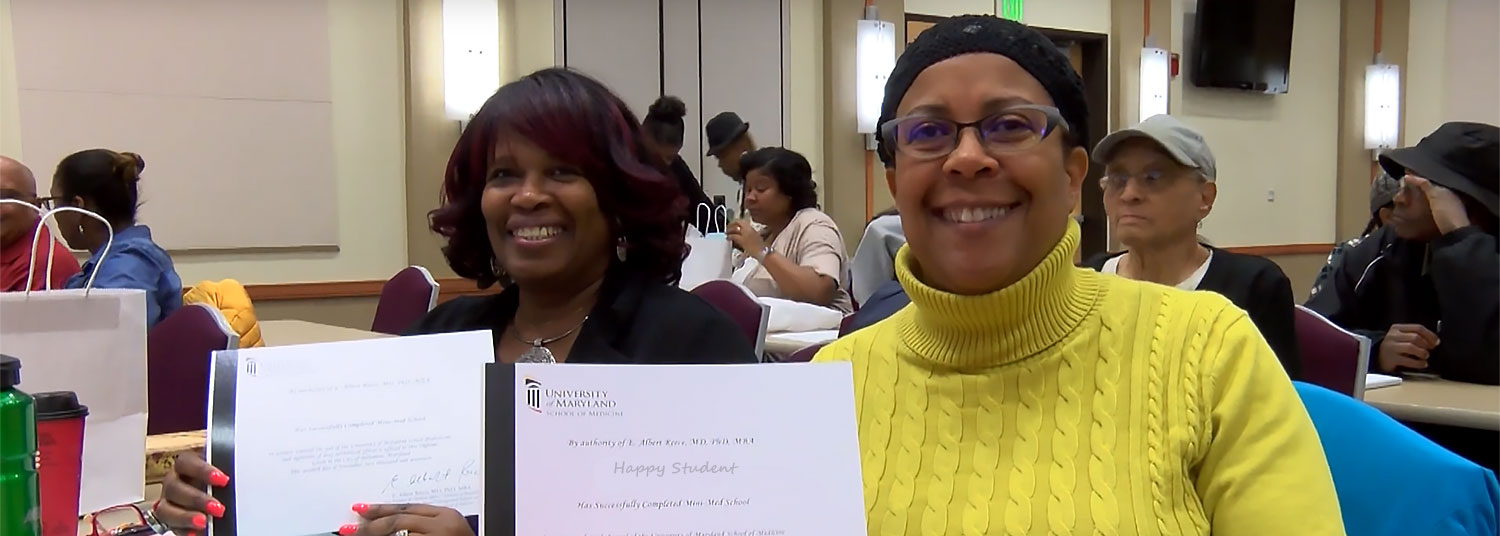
[728,140]
[1426,288]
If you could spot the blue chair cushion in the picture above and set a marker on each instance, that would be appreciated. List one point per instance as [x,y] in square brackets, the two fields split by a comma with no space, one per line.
[1391,480]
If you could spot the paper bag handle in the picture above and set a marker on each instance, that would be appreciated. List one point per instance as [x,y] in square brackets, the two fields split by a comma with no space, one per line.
[703,209]
[36,238]
[701,222]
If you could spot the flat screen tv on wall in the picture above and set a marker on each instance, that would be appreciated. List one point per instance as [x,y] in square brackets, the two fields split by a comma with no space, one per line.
[1243,44]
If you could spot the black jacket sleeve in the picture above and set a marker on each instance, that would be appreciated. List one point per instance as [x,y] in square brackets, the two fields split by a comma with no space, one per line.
[1272,312]
[1465,269]
[1338,301]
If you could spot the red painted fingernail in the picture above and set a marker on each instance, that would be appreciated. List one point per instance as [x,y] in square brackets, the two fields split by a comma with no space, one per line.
[214,508]
[346,530]
[218,478]
[200,521]
[360,508]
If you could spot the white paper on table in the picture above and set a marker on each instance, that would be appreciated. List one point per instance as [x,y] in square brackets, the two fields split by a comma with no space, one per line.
[676,449]
[809,338]
[312,429]
[1376,381]
[793,316]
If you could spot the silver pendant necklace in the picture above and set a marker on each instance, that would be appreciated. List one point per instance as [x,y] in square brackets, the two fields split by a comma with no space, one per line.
[538,353]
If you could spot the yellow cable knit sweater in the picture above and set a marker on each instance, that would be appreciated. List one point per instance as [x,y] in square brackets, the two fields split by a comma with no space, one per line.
[1078,403]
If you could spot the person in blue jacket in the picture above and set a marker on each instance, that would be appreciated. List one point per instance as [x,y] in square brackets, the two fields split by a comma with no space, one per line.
[104,182]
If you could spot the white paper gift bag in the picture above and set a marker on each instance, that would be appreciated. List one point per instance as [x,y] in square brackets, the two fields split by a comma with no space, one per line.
[91,342]
[707,260]
[709,255]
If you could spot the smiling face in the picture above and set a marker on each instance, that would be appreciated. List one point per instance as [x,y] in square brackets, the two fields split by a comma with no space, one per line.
[1150,198]
[975,220]
[543,217]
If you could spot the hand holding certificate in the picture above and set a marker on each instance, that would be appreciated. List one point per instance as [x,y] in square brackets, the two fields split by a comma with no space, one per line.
[674,449]
[304,432]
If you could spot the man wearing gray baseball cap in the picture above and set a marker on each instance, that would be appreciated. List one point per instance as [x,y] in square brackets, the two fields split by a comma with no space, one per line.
[1159,184]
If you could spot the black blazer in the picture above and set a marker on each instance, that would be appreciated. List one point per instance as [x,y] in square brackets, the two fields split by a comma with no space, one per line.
[635,321]
[1256,285]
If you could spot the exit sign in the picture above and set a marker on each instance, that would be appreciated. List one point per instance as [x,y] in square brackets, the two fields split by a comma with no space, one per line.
[1010,9]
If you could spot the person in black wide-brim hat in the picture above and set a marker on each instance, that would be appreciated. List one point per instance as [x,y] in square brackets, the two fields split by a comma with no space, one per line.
[1423,288]
[728,140]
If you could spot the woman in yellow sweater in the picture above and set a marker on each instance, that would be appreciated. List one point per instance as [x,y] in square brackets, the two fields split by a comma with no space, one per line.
[1018,394]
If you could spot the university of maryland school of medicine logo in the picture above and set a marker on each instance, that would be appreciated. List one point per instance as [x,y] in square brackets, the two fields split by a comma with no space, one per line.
[534,395]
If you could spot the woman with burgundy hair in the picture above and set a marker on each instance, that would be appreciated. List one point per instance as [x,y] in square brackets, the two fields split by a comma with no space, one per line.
[552,193]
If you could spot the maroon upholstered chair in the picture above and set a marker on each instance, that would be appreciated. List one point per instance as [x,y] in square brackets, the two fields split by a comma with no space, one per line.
[179,354]
[804,355]
[1332,357]
[736,301]
[846,325]
[404,300]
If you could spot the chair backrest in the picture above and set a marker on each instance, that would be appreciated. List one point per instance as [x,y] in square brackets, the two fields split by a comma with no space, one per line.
[804,355]
[1390,480]
[1332,356]
[748,313]
[179,354]
[404,300]
[846,325]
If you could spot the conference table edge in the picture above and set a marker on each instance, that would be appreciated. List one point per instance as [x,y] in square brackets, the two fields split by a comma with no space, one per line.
[1467,418]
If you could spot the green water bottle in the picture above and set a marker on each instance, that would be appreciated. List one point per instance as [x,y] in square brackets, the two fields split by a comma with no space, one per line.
[20,510]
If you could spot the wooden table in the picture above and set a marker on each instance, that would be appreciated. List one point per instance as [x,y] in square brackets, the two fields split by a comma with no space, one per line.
[1437,401]
[786,343]
[289,332]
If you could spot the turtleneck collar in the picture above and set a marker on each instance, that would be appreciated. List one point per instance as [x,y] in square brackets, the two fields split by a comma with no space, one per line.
[1004,326]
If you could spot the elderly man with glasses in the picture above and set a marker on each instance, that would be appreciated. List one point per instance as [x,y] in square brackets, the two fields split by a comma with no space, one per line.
[18,223]
[1159,185]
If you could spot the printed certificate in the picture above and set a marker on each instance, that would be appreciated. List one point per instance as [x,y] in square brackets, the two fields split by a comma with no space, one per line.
[627,450]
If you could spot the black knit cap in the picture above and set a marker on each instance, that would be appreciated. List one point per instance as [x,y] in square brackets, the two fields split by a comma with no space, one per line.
[983,33]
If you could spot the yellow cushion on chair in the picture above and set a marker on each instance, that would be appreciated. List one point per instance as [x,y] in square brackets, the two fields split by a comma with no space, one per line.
[232,301]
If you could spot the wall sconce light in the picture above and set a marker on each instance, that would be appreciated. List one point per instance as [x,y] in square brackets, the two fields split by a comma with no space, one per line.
[1156,76]
[876,52]
[1382,106]
[471,55]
